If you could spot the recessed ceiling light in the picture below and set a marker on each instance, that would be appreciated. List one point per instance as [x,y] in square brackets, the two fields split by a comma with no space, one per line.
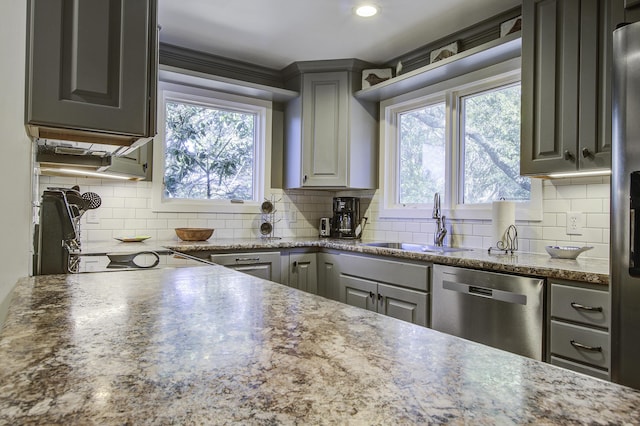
[366,10]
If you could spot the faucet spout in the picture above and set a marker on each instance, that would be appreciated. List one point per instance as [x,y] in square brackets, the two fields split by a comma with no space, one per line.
[441,230]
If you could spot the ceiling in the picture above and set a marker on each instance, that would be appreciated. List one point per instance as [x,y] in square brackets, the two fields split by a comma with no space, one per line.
[275,33]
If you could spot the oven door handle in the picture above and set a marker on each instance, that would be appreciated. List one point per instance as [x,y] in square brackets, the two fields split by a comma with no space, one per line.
[485,292]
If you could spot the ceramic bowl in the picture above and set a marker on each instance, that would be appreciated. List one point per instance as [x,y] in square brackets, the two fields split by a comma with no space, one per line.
[194,234]
[566,252]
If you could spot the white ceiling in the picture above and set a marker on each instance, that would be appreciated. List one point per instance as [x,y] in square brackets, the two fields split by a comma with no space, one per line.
[275,33]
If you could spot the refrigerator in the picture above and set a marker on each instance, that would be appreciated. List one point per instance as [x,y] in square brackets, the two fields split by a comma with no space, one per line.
[625,207]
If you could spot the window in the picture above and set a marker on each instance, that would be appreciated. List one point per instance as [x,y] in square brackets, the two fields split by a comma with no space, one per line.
[212,151]
[490,146]
[461,139]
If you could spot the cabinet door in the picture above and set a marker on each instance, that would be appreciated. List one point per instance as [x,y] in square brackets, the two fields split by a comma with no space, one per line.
[358,292]
[598,19]
[303,273]
[550,78]
[328,275]
[404,304]
[89,65]
[325,126]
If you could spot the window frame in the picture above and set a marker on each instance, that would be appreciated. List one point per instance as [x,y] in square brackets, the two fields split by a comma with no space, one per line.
[451,91]
[172,92]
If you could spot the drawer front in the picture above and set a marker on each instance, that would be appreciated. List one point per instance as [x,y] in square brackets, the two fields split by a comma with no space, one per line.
[583,305]
[580,343]
[590,371]
[387,271]
[246,258]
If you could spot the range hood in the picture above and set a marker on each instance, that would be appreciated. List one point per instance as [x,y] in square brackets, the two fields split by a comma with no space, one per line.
[69,158]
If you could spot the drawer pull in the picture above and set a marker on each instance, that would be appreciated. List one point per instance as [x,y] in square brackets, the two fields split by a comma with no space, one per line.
[585,347]
[575,305]
[247,259]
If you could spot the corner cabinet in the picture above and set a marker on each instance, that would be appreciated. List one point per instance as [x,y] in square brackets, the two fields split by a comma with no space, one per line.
[303,273]
[92,70]
[566,84]
[331,137]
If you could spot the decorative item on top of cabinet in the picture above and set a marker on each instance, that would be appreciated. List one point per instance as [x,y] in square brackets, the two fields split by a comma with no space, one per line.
[92,71]
[566,85]
[331,138]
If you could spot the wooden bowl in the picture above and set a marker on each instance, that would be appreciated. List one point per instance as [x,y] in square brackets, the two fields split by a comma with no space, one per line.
[194,234]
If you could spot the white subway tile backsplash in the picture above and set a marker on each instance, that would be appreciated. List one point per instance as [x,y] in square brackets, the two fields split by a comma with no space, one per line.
[126,210]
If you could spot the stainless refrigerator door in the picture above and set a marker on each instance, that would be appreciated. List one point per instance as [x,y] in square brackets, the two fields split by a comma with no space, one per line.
[625,275]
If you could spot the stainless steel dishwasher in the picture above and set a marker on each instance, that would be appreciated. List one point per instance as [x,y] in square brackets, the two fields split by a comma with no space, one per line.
[499,310]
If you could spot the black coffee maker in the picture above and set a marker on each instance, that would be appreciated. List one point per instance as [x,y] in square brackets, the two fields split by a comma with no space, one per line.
[57,236]
[346,217]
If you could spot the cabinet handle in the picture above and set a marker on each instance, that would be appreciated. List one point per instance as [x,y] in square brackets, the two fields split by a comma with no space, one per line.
[247,259]
[568,156]
[586,153]
[295,264]
[578,306]
[585,347]
[380,297]
[371,295]
[304,179]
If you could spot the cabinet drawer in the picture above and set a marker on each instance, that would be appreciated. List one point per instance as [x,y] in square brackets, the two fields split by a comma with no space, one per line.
[245,258]
[387,271]
[594,372]
[583,305]
[562,336]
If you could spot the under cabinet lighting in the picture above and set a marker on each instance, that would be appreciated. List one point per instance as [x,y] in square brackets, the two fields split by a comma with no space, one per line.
[84,173]
[580,174]
[366,10]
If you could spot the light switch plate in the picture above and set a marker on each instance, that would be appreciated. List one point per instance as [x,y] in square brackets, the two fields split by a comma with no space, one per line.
[575,223]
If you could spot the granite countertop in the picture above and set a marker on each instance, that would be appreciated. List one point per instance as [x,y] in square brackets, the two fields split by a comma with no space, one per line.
[584,269]
[209,345]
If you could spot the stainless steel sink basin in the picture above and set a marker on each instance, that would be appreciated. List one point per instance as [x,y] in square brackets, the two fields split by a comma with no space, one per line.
[416,247]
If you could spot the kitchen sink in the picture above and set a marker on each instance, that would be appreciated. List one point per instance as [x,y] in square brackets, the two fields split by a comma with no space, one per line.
[416,247]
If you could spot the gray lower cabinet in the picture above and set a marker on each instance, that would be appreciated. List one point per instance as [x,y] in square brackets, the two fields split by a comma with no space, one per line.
[265,265]
[328,275]
[393,288]
[579,328]
[331,137]
[303,272]
[566,84]
[92,70]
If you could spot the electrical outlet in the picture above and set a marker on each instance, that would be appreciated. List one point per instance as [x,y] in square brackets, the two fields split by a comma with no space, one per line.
[575,223]
[92,217]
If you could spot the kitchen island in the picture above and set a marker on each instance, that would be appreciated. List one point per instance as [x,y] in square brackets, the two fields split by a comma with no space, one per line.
[208,345]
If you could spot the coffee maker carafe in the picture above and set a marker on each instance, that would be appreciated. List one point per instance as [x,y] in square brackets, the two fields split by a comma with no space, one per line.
[346,217]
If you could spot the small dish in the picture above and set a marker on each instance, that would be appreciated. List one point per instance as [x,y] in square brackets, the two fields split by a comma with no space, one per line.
[135,239]
[566,252]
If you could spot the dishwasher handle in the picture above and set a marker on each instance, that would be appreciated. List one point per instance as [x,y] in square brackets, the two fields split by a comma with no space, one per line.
[488,293]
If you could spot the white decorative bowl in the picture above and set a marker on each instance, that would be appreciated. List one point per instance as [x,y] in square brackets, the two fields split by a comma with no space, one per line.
[566,252]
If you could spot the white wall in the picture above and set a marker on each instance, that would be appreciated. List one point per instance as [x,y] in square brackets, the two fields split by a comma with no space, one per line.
[126,211]
[15,165]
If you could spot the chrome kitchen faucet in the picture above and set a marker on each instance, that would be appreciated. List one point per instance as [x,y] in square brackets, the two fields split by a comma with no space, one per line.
[441,231]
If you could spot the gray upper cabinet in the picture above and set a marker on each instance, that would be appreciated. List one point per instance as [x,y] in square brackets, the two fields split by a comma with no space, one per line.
[331,137]
[92,70]
[566,84]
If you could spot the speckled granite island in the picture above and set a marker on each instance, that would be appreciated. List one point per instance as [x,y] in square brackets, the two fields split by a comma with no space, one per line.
[207,345]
